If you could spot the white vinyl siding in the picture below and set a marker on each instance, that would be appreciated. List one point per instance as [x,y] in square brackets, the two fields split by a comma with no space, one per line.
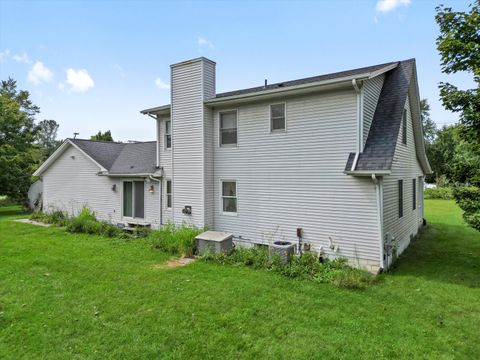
[371,93]
[297,180]
[191,85]
[405,167]
[71,182]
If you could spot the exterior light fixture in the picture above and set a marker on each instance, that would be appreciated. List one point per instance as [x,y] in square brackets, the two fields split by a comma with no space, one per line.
[114,187]
[151,190]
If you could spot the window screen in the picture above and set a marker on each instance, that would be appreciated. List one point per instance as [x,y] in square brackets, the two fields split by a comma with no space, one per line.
[229,196]
[277,117]
[127,199]
[139,199]
[228,128]
[400,198]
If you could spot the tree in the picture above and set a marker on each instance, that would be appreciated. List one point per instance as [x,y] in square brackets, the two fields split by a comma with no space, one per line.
[429,126]
[441,153]
[47,137]
[459,48]
[17,134]
[106,136]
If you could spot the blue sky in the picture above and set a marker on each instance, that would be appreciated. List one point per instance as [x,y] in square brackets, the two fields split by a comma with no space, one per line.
[94,65]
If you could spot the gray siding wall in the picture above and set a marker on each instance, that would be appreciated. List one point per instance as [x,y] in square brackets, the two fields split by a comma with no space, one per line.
[71,183]
[191,84]
[371,93]
[405,167]
[295,179]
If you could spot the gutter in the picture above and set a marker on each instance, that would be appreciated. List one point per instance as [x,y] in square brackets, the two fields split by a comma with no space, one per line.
[368,172]
[288,89]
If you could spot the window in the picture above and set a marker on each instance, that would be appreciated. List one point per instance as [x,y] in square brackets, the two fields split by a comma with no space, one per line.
[133,199]
[414,194]
[228,128]
[168,134]
[229,196]
[169,194]
[404,126]
[400,198]
[277,117]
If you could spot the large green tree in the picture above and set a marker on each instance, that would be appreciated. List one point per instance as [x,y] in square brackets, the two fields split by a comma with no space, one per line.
[459,48]
[17,135]
[46,137]
[105,136]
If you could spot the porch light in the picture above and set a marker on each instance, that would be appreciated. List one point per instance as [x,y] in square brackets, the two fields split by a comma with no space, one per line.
[114,187]
[151,189]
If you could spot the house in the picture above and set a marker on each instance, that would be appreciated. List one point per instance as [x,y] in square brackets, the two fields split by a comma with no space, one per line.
[336,159]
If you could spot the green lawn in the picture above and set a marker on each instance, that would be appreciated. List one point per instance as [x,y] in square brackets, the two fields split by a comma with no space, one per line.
[66,296]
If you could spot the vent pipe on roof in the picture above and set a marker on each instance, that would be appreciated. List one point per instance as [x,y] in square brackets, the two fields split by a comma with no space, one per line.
[265,86]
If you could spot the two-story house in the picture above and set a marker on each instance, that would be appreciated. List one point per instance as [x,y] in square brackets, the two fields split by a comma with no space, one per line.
[340,156]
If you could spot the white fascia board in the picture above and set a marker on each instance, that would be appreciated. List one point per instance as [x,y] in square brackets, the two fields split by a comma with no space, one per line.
[368,172]
[383,70]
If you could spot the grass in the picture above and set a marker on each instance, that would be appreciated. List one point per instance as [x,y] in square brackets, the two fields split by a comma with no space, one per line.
[66,296]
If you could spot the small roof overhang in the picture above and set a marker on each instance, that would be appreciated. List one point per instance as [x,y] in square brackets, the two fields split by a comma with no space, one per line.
[159,110]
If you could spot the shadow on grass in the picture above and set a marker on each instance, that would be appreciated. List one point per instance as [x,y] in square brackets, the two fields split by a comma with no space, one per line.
[11,210]
[443,252]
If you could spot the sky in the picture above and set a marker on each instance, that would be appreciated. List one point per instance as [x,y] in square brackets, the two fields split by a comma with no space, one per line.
[93,65]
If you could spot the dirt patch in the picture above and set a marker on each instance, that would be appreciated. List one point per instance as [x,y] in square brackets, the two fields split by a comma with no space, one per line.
[28,221]
[174,263]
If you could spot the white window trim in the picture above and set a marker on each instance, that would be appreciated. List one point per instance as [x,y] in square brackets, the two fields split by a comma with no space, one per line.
[165,135]
[278,131]
[132,218]
[219,132]
[166,194]
[221,197]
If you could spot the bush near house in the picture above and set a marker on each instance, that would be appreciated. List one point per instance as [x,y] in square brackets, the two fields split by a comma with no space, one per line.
[445,193]
[306,266]
[175,240]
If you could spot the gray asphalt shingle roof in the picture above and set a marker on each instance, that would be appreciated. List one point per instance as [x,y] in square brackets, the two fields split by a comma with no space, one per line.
[121,158]
[324,77]
[382,139]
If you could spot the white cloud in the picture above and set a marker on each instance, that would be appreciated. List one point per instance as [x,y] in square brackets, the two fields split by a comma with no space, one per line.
[39,73]
[385,6]
[79,80]
[4,55]
[204,43]
[161,84]
[22,58]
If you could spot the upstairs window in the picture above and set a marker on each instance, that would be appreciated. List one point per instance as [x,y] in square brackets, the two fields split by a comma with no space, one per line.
[168,134]
[277,117]
[400,198]
[229,197]
[228,128]
[404,127]
[169,194]
[133,199]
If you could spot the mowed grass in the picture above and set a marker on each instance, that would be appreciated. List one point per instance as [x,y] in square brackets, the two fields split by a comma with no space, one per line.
[66,296]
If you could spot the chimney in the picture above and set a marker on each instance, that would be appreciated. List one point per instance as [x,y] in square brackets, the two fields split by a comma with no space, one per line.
[192,82]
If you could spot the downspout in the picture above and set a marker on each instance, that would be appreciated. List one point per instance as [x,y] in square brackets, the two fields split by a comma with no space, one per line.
[379,191]
[357,86]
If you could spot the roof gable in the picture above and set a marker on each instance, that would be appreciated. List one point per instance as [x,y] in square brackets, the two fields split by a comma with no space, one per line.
[379,149]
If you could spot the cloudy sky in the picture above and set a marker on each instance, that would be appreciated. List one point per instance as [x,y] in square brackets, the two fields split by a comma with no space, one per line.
[94,65]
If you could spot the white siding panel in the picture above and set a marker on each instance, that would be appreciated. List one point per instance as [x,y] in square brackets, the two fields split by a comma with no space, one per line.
[405,167]
[295,179]
[371,93]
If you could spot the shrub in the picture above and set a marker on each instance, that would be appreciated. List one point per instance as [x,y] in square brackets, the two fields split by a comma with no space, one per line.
[56,217]
[306,266]
[468,198]
[445,193]
[175,240]
[84,222]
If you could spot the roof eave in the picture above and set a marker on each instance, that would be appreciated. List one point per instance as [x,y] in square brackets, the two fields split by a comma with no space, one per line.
[158,110]
[289,90]
[368,172]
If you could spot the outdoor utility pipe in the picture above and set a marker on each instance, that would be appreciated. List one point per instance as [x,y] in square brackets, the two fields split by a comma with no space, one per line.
[379,190]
